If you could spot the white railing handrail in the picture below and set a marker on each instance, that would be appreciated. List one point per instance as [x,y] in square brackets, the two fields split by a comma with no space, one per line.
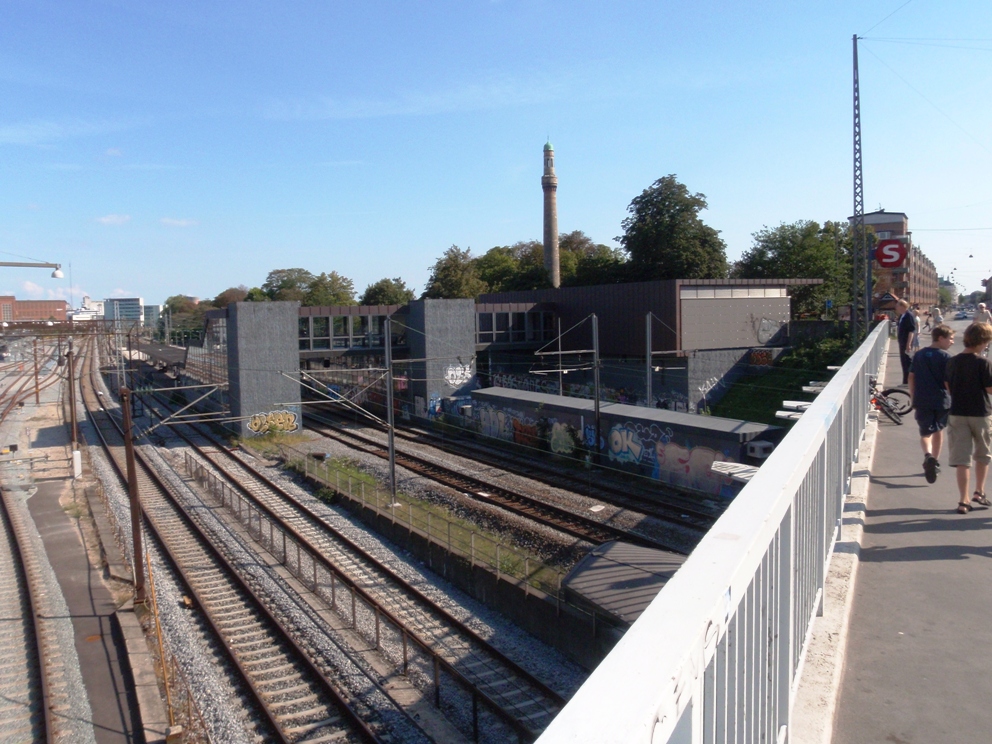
[650,688]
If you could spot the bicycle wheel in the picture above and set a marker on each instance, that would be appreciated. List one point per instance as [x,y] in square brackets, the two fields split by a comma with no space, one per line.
[900,400]
[885,407]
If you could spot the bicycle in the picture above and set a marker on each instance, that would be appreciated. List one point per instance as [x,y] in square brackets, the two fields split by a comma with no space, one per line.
[892,402]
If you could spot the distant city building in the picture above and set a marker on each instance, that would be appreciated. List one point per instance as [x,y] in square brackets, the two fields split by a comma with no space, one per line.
[913,279]
[152,314]
[14,310]
[88,310]
[124,308]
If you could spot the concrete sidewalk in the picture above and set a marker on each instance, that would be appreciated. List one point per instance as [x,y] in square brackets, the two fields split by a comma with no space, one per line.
[919,650]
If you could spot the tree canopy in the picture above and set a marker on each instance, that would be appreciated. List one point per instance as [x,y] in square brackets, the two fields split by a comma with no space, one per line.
[802,250]
[665,239]
[232,294]
[329,289]
[454,275]
[387,292]
[287,284]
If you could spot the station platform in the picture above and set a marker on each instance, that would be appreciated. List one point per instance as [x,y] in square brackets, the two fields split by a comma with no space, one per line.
[917,662]
[163,355]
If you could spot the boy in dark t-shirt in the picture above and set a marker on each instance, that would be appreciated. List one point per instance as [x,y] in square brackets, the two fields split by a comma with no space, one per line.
[931,400]
[969,381]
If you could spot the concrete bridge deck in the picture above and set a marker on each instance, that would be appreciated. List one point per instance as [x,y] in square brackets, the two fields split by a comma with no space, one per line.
[919,652]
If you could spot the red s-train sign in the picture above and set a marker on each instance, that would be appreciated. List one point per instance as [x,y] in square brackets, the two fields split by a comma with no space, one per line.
[890,253]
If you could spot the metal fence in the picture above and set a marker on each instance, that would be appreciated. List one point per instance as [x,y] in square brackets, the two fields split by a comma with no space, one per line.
[716,656]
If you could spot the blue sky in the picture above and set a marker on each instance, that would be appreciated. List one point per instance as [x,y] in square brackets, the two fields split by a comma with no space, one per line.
[185,147]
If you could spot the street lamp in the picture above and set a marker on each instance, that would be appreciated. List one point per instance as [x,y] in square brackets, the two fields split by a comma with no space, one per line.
[56,274]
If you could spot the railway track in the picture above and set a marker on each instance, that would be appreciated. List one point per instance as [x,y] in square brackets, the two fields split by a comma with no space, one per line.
[30,653]
[521,504]
[517,699]
[285,679]
[683,511]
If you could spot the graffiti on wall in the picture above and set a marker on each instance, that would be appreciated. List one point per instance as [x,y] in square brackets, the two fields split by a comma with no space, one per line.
[457,375]
[760,358]
[261,423]
[562,438]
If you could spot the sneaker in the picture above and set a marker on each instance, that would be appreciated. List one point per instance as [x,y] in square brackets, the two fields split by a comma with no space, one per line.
[930,468]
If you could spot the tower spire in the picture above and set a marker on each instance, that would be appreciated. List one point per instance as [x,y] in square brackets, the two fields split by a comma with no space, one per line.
[549,183]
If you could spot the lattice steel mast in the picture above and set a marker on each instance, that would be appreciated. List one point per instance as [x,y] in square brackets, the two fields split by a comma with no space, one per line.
[860,260]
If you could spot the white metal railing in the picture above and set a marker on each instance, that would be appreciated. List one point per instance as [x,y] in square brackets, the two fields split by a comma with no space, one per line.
[716,655]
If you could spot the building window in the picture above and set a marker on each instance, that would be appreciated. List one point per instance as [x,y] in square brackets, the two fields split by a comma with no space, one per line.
[519,330]
[485,328]
[502,328]
[304,327]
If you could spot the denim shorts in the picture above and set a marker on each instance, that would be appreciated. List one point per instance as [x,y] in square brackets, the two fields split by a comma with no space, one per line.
[930,420]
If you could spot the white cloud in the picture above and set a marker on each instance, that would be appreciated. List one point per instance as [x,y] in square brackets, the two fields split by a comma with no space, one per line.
[474,97]
[122,293]
[32,290]
[114,219]
[43,132]
[172,222]
[113,152]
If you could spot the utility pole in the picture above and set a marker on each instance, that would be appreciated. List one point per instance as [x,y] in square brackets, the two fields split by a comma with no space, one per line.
[389,409]
[648,347]
[595,378]
[37,392]
[72,396]
[132,492]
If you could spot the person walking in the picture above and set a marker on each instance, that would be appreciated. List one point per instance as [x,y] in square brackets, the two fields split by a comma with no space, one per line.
[931,400]
[926,326]
[938,316]
[905,330]
[969,381]
[982,314]
[916,334]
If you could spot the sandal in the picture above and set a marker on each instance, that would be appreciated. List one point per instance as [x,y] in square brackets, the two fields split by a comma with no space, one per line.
[964,508]
[979,498]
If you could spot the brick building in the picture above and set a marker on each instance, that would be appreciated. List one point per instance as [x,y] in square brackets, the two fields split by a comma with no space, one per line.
[914,279]
[14,310]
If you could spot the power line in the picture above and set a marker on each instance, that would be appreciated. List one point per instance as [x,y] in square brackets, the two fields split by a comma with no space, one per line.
[935,106]
[887,17]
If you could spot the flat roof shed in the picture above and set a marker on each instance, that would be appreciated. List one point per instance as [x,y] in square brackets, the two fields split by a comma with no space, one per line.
[621,579]
[688,423]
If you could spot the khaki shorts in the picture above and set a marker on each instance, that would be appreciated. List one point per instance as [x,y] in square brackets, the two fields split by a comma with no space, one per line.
[966,432]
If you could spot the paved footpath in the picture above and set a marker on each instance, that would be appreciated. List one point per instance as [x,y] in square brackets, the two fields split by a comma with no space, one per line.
[55,509]
[919,653]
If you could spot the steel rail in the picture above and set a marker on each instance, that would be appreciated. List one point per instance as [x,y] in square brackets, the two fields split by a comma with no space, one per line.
[31,597]
[361,728]
[664,506]
[316,554]
[529,507]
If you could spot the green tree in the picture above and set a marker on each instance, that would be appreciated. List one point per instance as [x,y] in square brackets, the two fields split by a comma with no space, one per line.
[802,250]
[498,268]
[232,294]
[585,263]
[946,296]
[454,276]
[665,239]
[257,294]
[387,292]
[329,289]
[287,284]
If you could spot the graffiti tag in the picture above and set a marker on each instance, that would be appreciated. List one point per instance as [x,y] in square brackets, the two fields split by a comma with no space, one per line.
[260,423]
